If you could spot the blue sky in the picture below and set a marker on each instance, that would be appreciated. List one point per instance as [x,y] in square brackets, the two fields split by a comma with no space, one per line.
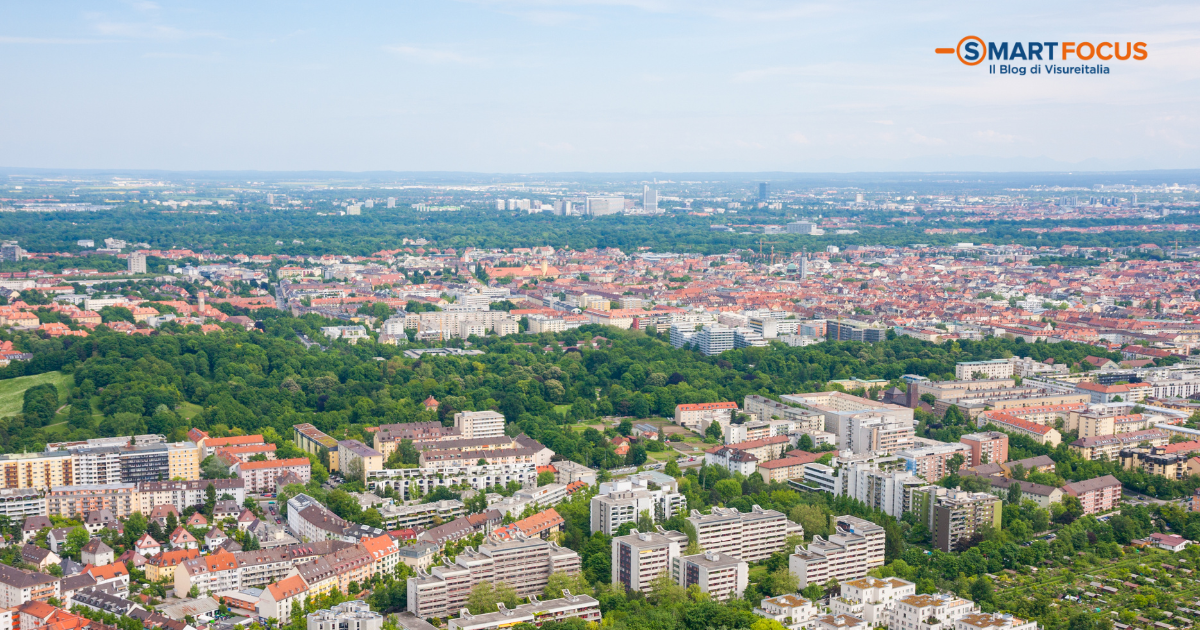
[610,85]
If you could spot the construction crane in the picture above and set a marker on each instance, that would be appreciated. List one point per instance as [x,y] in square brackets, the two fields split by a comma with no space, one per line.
[761,242]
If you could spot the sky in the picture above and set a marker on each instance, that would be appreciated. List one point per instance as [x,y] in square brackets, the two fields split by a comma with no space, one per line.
[508,86]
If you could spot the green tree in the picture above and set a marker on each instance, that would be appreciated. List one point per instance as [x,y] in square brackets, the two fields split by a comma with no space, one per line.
[484,596]
[559,581]
[728,489]
[714,431]
[1014,494]
[545,478]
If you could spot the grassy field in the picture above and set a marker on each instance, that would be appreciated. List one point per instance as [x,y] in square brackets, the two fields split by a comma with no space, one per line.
[12,391]
[189,410]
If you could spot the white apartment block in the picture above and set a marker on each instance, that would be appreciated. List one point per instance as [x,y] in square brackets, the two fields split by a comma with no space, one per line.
[428,478]
[856,548]
[641,556]
[524,565]
[791,611]
[714,339]
[622,501]
[999,368]
[584,607]
[993,621]
[479,424]
[928,612]
[879,485]
[871,599]
[749,536]
[882,434]
[803,420]
[719,575]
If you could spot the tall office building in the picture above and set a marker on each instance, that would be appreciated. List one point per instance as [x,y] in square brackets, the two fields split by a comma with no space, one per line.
[762,191]
[391,202]
[803,267]
[600,206]
[270,199]
[137,262]
[649,199]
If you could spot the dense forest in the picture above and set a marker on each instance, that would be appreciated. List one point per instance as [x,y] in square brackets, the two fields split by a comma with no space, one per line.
[248,381]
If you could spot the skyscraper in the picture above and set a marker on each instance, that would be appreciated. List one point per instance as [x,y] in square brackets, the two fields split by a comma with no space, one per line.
[762,191]
[391,202]
[649,199]
[270,199]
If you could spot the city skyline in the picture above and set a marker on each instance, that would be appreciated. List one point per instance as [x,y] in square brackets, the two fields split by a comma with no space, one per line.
[586,86]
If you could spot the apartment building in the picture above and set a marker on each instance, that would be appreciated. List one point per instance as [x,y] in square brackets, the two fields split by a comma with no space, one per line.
[929,612]
[121,498]
[871,599]
[855,548]
[19,503]
[262,476]
[623,501]
[878,433]
[524,565]
[440,474]
[987,447]
[421,515]
[19,587]
[356,459]
[881,483]
[351,615]
[839,407]
[583,607]
[698,416]
[311,521]
[312,440]
[390,435]
[184,494]
[222,571]
[975,370]
[803,420]
[479,424]
[749,536]
[640,557]
[36,470]
[1041,433]
[1108,447]
[335,571]
[721,576]
[931,463]
[954,515]
[790,466]
[993,621]
[1096,495]
[791,611]
[851,330]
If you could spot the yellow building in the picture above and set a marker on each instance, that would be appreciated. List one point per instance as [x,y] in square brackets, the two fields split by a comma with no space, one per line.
[36,470]
[310,439]
[183,460]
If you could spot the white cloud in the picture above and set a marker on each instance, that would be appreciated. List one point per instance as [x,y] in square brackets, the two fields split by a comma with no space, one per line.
[798,138]
[432,55]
